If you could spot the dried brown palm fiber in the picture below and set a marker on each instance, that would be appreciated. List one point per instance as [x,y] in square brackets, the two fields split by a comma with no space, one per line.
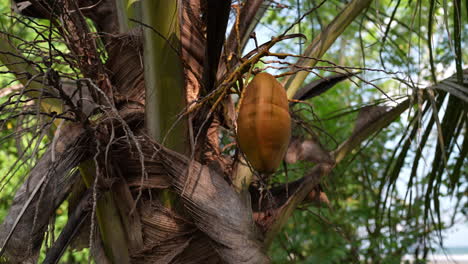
[264,124]
[200,250]
[162,223]
[131,169]
[166,233]
[126,65]
[216,209]
[193,42]
[196,249]
[170,238]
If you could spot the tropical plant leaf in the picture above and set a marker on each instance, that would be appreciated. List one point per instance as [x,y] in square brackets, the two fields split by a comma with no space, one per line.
[372,123]
[457,31]
[430,26]
[459,168]
[323,41]
[387,30]
[319,86]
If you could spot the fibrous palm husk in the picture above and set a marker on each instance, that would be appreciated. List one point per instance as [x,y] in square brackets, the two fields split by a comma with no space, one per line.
[210,203]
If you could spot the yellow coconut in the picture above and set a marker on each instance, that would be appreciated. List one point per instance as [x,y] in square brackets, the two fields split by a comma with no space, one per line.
[264,124]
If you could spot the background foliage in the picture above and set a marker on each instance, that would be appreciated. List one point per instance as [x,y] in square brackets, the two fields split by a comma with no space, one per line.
[362,221]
